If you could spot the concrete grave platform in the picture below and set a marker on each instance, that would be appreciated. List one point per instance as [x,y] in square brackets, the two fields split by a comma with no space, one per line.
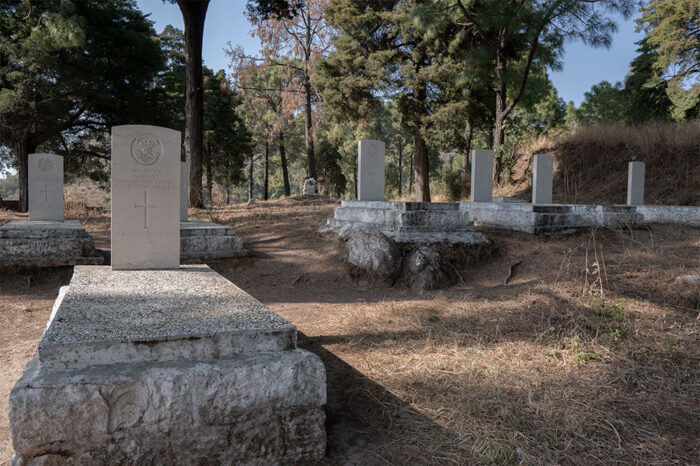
[422,222]
[405,222]
[172,366]
[549,218]
[201,241]
[46,244]
[670,214]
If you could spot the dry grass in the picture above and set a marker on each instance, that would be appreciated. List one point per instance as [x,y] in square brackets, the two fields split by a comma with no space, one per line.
[546,372]
[590,354]
[591,164]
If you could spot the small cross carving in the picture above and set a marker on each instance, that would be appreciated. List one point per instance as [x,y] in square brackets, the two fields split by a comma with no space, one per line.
[46,192]
[145,207]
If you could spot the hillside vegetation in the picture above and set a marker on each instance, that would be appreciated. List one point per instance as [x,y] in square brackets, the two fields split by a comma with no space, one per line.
[591,164]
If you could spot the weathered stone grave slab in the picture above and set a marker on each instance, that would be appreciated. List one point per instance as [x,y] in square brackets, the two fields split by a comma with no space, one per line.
[542,175]
[482,176]
[670,214]
[370,170]
[167,366]
[635,183]
[46,244]
[45,187]
[533,218]
[405,222]
[200,241]
[145,193]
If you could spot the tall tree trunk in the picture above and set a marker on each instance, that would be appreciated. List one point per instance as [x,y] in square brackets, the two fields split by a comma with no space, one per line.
[310,158]
[468,135]
[210,177]
[25,147]
[354,178]
[266,177]
[410,176]
[308,123]
[422,168]
[193,15]
[422,164]
[500,114]
[400,168]
[285,173]
[250,179]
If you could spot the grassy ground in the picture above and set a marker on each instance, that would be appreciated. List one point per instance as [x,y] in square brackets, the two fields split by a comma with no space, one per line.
[590,354]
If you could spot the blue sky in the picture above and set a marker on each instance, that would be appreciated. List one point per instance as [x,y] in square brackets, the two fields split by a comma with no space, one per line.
[583,65]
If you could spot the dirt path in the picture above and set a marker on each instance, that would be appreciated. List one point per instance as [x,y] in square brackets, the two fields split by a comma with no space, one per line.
[538,371]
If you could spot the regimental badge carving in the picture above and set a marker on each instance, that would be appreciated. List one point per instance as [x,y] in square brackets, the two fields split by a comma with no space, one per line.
[45,164]
[146,149]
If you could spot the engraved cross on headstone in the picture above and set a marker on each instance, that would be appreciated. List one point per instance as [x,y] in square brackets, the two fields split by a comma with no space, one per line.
[46,192]
[145,207]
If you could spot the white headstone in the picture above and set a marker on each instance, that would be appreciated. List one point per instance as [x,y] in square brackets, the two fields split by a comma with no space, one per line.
[482,176]
[145,197]
[45,187]
[184,190]
[635,183]
[542,174]
[309,188]
[370,170]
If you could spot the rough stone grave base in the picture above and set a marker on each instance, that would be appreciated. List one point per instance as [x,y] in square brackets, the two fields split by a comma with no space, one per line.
[201,241]
[166,367]
[46,244]
[405,222]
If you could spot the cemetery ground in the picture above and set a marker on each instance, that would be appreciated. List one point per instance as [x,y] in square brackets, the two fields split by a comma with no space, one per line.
[589,354]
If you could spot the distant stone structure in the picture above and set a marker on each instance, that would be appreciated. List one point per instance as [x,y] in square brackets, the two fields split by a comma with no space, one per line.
[46,240]
[206,197]
[310,187]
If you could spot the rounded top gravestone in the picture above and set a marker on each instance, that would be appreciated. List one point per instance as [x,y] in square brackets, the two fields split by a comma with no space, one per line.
[145,197]
[45,187]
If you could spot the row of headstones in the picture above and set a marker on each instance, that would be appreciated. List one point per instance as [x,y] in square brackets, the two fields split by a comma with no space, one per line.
[146,176]
[46,188]
[370,176]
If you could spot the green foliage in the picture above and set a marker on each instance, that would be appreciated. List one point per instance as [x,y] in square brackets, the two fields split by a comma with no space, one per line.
[452,185]
[604,103]
[331,179]
[673,29]
[69,70]
[9,186]
[611,323]
[671,346]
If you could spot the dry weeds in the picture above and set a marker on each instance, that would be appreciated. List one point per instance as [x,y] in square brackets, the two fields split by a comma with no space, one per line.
[591,164]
